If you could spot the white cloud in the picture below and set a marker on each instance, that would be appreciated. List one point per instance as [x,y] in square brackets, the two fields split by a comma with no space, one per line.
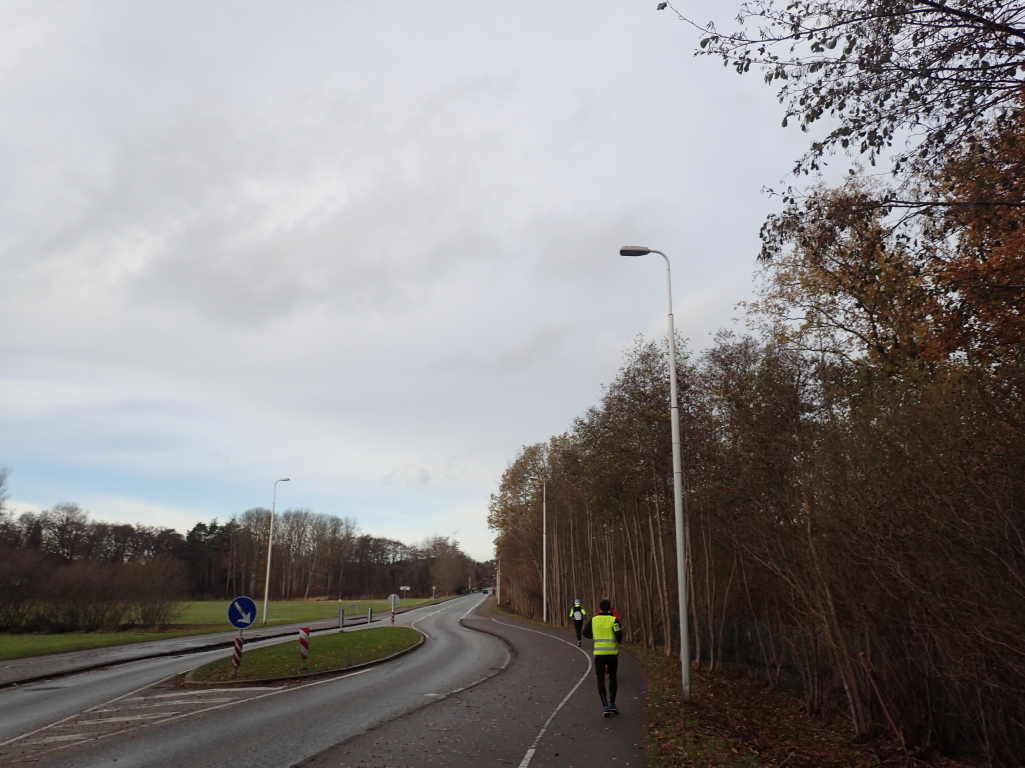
[374,248]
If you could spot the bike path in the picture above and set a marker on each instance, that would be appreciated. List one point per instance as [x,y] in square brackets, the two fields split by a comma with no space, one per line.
[541,711]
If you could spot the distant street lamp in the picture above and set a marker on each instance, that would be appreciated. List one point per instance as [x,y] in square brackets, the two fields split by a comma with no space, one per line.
[681,559]
[270,542]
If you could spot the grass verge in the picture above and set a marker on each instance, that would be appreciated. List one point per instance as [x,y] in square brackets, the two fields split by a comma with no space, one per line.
[23,646]
[198,617]
[203,613]
[328,653]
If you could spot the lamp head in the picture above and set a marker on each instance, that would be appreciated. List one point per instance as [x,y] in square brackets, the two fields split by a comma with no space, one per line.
[634,250]
[284,480]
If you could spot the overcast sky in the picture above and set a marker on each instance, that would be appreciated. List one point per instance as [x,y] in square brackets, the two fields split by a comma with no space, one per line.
[372,247]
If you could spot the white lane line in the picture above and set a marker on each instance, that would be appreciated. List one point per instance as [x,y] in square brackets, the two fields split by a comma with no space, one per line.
[265,695]
[68,737]
[204,692]
[533,747]
[84,712]
[124,719]
[473,608]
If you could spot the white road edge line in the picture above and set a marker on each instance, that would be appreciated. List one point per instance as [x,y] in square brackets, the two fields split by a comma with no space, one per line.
[533,747]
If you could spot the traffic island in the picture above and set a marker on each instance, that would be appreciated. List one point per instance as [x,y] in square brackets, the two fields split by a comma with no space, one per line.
[328,654]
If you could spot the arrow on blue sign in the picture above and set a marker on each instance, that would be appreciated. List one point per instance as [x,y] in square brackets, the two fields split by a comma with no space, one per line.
[242,612]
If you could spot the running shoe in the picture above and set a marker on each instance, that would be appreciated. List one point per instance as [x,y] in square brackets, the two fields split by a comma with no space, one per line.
[606,712]
[613,708]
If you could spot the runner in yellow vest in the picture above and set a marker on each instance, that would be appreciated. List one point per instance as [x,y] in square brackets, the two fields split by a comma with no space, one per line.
[578,614]
[604,629]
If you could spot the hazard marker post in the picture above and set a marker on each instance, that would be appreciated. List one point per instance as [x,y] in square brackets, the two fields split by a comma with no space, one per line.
[304,645]
[236,656]
[393,600]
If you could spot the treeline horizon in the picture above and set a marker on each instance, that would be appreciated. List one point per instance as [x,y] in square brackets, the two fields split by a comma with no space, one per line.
[62,571]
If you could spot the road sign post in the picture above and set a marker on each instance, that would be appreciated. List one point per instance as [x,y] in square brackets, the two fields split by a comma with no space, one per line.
[241,613]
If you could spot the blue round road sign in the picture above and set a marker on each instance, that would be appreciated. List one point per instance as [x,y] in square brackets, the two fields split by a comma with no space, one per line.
[242,612]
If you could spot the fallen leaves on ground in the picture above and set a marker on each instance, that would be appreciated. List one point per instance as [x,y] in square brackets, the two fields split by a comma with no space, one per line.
[735,721]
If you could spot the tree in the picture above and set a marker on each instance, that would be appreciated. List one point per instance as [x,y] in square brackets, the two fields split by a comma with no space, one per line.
[838,279]
[4,474]
[884,69]
[65,530]
[977,251]
[8,529]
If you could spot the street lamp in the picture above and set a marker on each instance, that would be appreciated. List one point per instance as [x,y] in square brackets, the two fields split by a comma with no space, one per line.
[544,551]
[270,542]
[681,559]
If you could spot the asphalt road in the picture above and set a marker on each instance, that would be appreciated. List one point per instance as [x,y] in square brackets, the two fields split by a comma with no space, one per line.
[509,693]
[161,724]
[542,711]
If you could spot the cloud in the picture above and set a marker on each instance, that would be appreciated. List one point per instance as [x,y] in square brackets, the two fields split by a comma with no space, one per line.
[242,239]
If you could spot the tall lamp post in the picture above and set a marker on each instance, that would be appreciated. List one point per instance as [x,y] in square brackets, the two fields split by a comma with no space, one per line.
[681,558]
[270,543]
[544,551]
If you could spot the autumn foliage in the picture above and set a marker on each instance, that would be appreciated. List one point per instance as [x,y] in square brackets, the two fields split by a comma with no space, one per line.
[854,477]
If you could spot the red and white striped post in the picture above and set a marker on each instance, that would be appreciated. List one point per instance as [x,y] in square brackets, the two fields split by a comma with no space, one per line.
[304,644]
[236,656]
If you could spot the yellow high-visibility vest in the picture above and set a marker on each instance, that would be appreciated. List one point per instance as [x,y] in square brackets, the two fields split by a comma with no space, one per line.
[603,629]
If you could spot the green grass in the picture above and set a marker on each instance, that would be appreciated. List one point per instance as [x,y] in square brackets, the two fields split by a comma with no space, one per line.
[204,613]
[23,646]
[198,617]
[328,653]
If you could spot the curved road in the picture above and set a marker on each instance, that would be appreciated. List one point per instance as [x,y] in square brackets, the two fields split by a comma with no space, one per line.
[444,705]
[134,714]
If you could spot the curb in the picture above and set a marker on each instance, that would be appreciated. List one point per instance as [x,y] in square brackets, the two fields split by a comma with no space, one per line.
[225,644]
[190,683]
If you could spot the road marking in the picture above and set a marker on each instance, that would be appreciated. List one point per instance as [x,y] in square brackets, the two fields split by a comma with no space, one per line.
[185,702]
[68,737]
[533,747]
[125,719]
[220,691]
[84,712]
[265,695]
[473,608]
[165,717]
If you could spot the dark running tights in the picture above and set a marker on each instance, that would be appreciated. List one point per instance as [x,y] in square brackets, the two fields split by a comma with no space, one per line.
[601,662]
